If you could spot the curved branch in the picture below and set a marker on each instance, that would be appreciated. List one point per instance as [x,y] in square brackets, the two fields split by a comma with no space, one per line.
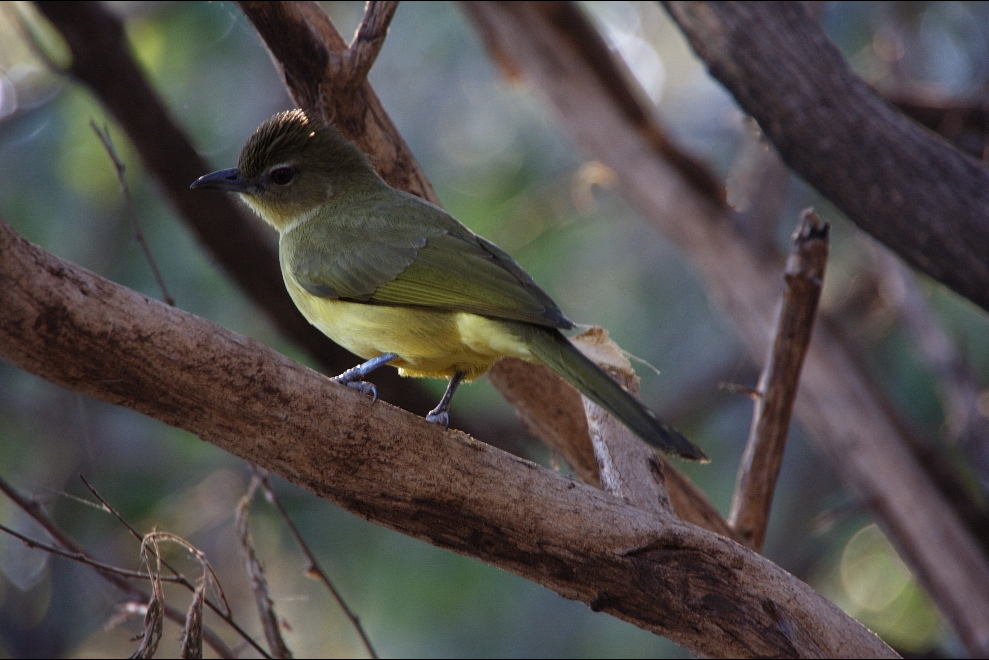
[701,590]
[910,189]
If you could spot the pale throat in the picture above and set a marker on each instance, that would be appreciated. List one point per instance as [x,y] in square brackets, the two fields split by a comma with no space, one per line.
[284,223]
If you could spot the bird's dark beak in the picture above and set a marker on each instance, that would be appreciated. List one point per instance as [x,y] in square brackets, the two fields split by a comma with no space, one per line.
[228,180]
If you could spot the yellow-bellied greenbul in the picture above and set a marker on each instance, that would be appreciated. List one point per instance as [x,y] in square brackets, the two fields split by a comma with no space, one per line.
[398,281]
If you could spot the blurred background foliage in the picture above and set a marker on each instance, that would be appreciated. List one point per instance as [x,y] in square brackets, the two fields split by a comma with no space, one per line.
[500,163]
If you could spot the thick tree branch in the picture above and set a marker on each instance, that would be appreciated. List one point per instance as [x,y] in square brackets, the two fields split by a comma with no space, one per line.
[911,190]
[840,406]
[703,591]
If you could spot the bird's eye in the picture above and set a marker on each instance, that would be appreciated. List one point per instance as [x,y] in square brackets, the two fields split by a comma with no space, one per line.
[282,176]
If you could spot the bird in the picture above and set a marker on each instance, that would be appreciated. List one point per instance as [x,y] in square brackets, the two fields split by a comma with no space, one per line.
[397,280]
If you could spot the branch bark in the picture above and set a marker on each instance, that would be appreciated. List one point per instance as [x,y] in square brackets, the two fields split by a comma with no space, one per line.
[840,405]
[699,589]
[628,468]
[921,197]
[777,389]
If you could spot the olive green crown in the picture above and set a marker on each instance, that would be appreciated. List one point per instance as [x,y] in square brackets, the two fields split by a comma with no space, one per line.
[293,136]
[284,135]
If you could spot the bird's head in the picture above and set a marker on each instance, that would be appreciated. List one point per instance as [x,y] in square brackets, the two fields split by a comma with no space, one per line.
[291,167]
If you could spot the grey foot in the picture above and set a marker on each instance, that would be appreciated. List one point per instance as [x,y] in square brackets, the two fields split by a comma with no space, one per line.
[361,386]
[439,414]
[442,418]
[352,377]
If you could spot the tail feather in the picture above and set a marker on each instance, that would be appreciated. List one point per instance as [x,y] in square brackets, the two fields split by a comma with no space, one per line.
[554,350]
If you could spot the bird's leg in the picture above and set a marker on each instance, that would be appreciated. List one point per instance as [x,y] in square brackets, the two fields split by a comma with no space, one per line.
[439,414]
[353,377]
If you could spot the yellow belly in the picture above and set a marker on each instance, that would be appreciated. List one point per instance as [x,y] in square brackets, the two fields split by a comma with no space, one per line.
[428,343]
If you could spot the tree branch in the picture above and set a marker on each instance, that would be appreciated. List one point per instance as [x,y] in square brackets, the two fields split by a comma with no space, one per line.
[840,406]
[701,590]
[628,468]
[303,42]
[899,182]
[763,453]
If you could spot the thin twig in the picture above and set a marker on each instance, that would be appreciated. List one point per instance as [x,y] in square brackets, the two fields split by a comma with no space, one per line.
[256,576]
[81,557]
[760,465]
[192,632]
[153,617]
[104,136]
[108,508]
[182,579]
[224,612]
[200,556]
[359,57]
[193,628]
[314,569]
[33,509]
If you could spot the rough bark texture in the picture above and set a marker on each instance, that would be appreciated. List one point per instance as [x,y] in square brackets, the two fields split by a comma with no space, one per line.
[650,568]
[910,189]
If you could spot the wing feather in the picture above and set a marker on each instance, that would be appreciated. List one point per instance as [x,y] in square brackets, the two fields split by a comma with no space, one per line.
[422,257]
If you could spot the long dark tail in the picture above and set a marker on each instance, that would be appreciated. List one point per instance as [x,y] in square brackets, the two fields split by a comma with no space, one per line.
[557,353]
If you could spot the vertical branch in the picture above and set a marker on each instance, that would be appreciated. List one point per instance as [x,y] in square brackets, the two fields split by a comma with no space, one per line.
[359,57]
[314,569]
[255,575]
[777,389]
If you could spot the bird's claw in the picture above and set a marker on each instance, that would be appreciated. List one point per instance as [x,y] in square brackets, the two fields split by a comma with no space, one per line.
[361,386]
[442,418]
